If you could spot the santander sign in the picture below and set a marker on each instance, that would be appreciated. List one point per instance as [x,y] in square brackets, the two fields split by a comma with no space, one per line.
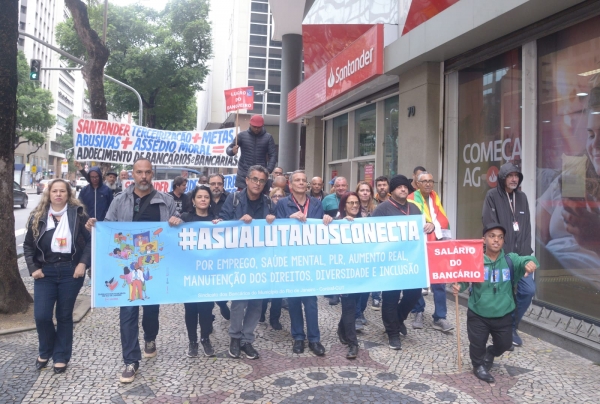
[358,63]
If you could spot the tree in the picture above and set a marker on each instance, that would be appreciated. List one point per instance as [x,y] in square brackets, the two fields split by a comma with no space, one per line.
[34,104]
[161,54]
[14,297]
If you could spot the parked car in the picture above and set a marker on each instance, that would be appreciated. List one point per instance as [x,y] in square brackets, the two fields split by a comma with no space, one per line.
[19,195]
[81,182]
[42,185]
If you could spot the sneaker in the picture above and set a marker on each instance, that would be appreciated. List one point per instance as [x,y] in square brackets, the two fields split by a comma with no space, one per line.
[358,325]
[334,300]
[443,325]
[517,341]
[249,350]
[276,325]
[317,348]
[376,305]
[394,343]
[193,350]
[352,352]
[418,321]
[149,349]
[207,347]
[128,374]
[234,348]
[425,292]
[403,329]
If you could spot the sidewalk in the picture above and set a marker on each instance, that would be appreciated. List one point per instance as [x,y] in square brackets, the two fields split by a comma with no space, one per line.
[424,371]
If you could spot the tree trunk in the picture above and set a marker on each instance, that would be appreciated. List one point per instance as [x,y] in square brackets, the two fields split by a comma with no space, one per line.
[93,70]
[14,297]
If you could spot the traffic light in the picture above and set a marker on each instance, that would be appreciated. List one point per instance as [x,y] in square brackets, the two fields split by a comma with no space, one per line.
[34,72]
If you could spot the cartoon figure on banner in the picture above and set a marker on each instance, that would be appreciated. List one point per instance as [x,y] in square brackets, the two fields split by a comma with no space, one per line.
[141,239]
[122,254]
[111,284]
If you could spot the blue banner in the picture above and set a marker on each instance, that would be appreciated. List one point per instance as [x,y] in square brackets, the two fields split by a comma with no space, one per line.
[151,263]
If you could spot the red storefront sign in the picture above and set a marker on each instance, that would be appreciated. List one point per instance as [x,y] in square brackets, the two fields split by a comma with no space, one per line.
[369,173]
[239,98]
[455,261]
[357,64]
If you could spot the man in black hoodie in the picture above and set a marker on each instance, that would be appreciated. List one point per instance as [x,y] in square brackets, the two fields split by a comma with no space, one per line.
[508,206]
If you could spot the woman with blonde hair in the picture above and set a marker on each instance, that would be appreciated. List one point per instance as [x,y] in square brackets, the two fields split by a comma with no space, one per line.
[366,195]
[57,250]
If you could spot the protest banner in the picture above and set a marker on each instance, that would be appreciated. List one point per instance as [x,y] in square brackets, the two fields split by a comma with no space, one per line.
[455,261]
[122,143]
[239,98]
[151,263]
[167,185]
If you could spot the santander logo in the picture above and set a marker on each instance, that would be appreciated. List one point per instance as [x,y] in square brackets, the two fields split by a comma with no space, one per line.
[352,66]
[492,176]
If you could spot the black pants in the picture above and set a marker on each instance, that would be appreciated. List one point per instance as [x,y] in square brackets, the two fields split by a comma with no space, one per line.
[198,313]
[347,322]
[275,312]
[393,312]
[479,329]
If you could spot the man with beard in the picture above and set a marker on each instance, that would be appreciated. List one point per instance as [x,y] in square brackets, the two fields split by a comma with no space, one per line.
[217,182]
[316,189]
[382,185]
[140,202]
[111,181]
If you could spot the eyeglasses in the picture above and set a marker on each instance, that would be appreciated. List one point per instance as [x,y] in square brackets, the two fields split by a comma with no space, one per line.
[215,184]
[258,181]
[351,203]
[136,208]
[427,182]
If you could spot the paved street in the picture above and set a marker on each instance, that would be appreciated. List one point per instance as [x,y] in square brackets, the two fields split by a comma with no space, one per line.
[424,371]
[21,216]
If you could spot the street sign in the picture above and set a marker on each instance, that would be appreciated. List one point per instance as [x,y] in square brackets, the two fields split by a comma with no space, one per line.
[33,169]
[64,166]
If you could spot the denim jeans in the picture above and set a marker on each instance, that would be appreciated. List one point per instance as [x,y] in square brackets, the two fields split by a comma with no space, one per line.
[57,287]
[244,319]
[439,300]
[130,329]
[525,293]
[311,312]
[361,303]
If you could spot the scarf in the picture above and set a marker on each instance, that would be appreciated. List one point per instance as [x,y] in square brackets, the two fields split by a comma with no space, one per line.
[434,213]
[61,240]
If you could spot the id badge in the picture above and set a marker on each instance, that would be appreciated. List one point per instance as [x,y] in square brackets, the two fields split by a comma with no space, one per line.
[516,226]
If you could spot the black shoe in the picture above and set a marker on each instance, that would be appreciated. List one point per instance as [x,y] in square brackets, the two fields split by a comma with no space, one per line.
[193,350]
[234,348]
[128,374]
[298,346]
[39,365]
[341,336]
[403,329]
[394,343]
[284,304]
[488,359]
[482,374]
[61,369]
[225,311]
[334,300]
[352,352]
[249,350]
[512,348]
[317,348]
[207,347]
[262,318]
[276,325]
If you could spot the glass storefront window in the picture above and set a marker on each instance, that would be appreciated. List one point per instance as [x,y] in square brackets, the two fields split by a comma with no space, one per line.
[390,133]
[489,133]
[366,170]
[340,138]
[568,169]
[365,131]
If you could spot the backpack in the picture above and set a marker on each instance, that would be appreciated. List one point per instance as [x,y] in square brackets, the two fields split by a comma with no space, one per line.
[511,268]
[236,201]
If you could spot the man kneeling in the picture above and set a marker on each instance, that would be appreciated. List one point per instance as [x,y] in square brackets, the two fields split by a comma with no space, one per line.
[492,302]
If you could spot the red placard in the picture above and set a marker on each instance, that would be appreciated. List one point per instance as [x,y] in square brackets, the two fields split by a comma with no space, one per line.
[239,98]
[455,261]
[369,173]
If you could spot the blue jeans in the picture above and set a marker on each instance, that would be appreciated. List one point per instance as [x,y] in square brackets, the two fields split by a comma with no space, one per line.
[311,312]
[525,293]
[130,329]
[439,300]
[361,304]
[57,287]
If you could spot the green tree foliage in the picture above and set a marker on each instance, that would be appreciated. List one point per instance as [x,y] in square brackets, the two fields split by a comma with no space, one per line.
[33,108]
[162,54]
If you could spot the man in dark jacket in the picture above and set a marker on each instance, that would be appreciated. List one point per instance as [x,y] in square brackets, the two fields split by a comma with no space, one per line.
[217,182]
[258,148]
[508,206]
[301,207]
[246,205]
[96,196]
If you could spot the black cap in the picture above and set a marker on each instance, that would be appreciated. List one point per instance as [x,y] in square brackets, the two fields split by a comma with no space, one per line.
[398,180]
[492,226]
[112,173]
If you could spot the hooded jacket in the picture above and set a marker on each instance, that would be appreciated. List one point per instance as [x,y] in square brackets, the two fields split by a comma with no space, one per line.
[96,200]
[483,300]
[497,209]
[255,150]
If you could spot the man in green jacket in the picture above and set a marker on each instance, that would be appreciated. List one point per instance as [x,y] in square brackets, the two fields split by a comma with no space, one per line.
[492,302]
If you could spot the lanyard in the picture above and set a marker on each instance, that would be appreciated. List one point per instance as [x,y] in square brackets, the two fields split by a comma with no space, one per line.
[512,202]
[304,208]
[399,208]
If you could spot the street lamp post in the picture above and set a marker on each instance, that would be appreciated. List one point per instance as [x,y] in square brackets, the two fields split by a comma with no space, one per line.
[265,92]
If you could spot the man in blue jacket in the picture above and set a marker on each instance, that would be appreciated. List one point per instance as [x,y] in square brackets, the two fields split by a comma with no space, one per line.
[96,196]
[246,205]
[301,207]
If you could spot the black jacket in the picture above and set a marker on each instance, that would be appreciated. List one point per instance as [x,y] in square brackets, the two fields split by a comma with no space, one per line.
[255,150]
[236,206]
[81,239]
[496,209]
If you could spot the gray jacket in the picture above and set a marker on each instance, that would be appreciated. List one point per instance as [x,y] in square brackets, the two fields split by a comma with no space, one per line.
[121,208]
